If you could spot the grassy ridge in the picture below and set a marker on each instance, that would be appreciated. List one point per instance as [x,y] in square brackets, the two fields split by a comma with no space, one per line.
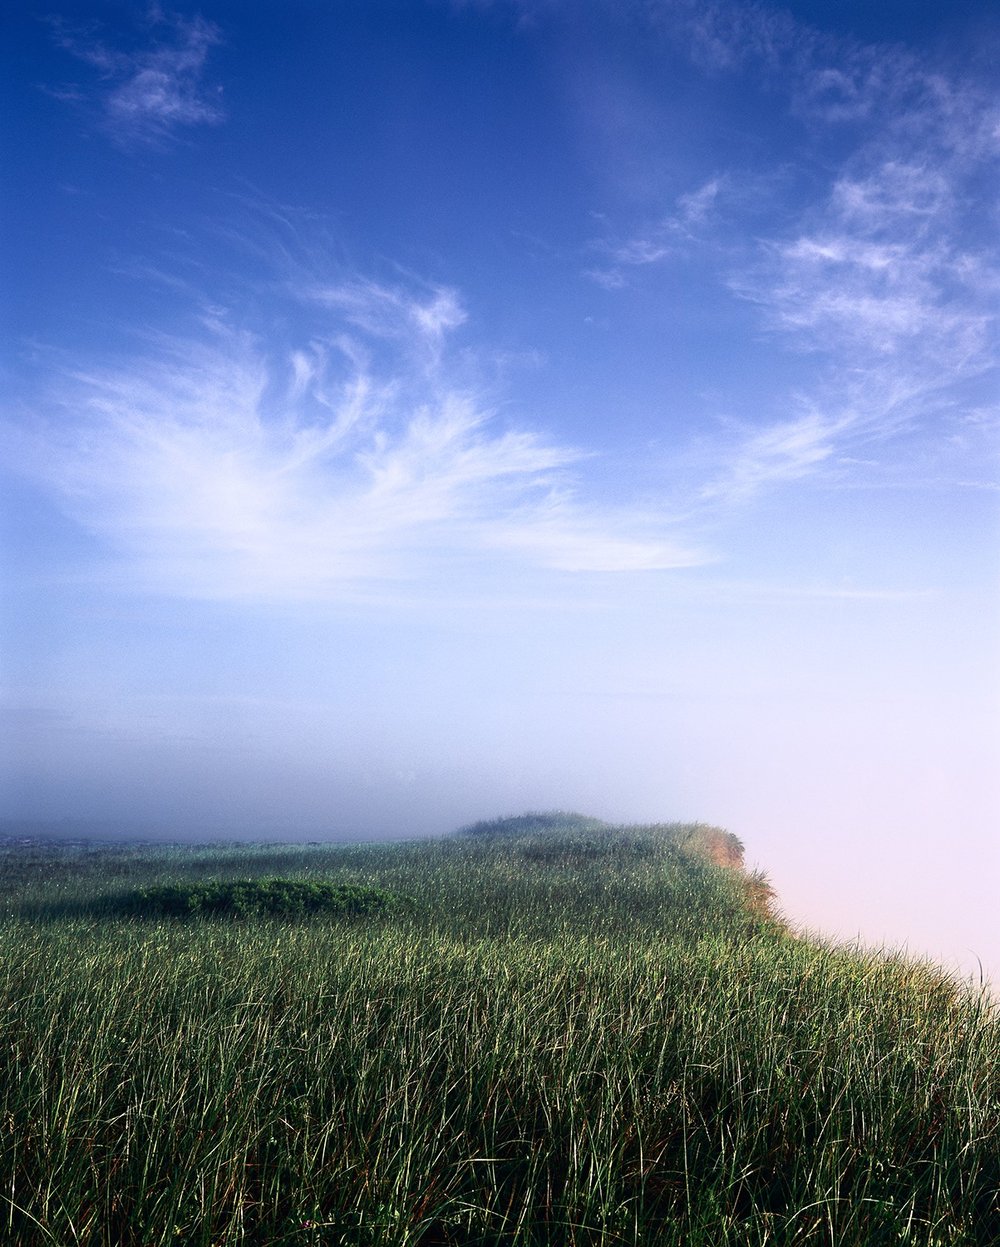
[575,1035]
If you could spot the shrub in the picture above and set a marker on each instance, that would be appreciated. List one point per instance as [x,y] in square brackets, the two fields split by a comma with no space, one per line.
[245,898]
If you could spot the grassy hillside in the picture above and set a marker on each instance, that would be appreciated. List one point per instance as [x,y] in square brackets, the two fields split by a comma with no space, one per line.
[553,1031]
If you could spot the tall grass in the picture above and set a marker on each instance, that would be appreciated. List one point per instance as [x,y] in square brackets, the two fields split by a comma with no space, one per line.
[604,1046]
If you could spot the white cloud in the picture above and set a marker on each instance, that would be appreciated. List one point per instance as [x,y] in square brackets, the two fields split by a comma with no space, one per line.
[894,192]
[223,469]
[609,278]
[785,451]
[696,206]
[880,275]
[890,274]
[887,273]
[147,94]
[693,212]
[570,548]
[393,313]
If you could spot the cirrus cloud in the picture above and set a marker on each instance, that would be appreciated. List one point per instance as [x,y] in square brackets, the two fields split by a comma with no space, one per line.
[145,94]
[223,467]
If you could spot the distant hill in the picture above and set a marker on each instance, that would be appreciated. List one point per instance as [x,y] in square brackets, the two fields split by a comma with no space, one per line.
[570,838]
[721,847]
[532,823]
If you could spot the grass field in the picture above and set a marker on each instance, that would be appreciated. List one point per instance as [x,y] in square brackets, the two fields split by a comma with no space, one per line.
[556,1033]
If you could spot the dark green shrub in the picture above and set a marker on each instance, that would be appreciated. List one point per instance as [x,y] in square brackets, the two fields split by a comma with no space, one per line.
[251,898]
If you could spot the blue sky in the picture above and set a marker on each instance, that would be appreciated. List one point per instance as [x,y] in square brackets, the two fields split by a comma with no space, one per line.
[420,411]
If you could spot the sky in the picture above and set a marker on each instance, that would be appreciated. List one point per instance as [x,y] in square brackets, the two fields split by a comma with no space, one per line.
[415,412]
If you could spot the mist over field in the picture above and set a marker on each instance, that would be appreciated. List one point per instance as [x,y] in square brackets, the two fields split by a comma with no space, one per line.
[419,413]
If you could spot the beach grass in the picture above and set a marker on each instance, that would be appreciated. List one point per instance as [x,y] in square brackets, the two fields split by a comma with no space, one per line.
[576,1035]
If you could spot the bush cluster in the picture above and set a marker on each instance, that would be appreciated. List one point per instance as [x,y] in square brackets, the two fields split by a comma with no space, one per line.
[245,898]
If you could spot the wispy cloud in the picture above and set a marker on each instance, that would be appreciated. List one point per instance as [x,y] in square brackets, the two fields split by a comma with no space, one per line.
[888,277]
[825,77]
[417,320]
[226,468]
[877,274]
[145,94]
[658,241]
[781,452]
[900,317]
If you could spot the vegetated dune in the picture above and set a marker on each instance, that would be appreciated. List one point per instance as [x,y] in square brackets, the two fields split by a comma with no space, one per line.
[570,1033]
[720,847]
[566,835]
